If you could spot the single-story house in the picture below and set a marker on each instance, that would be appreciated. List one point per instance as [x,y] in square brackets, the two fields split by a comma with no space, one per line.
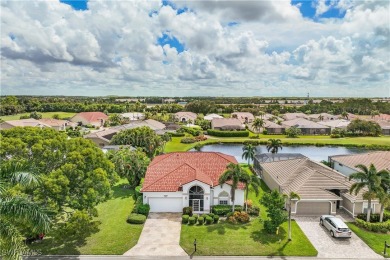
[321,117]
[186,116]
[188,179]
[132,116]
[335,124]
[22,123]
[59,125]
[307,127]
[385,126]
[322,190]
[291,116]
[210,117]
[273,128]
[96,119]
[346,163]
[227,124]
[244,117]
[103,137]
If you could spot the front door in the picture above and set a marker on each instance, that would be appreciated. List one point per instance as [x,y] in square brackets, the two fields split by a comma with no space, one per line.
[195,205]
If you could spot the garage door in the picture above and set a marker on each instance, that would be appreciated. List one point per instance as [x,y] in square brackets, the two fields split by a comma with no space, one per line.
[313,208]
[166,204]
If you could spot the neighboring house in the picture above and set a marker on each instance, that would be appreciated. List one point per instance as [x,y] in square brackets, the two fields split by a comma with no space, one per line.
[291,116]
[322,190]
[322,117]
[133,116]
[385,126]
[273,128]
[307,127]
[346,163]
[59,125]
[22,123]
[227,124]
[107,148]
[188,179]
[244,117]
[103,137]
[96,119]
[210,117]
[186,116]
[338,123]
[384,117]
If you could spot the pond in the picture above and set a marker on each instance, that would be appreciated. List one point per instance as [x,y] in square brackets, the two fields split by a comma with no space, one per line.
[313,152]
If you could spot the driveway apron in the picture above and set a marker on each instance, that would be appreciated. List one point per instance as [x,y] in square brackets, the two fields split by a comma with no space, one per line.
[160,236]
[329,247]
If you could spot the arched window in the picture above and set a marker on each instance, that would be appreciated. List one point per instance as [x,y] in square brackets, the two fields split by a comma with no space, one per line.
[196,200]
[223,198]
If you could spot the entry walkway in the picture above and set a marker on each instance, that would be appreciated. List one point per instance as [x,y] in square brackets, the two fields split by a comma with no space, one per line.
[160,236]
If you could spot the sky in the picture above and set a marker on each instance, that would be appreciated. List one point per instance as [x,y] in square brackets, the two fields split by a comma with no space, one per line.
[327,48]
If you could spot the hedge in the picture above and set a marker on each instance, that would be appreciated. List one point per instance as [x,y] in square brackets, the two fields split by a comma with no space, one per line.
[134,218]
[200,220]
[228,133]
[184,219]
[209,220]
[176,134]
[188,140]
[191,221]
[143,209]
[216,219]
[196,216]
[374,217]
[383,227]
[192,131]
[222,210]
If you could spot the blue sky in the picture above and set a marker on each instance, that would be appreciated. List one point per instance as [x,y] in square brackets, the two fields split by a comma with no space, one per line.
[213,48]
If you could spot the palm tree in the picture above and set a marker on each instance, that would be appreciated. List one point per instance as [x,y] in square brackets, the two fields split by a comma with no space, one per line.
[320,117]
[273,145]
[290,197]
[369,179]
[257,124]
[235,174]
[344,115]
[261,114]
[384,194]
[249,152]
[16,209]
[253,181]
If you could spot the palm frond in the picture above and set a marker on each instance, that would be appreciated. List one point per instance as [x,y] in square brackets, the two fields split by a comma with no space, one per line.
[11,241]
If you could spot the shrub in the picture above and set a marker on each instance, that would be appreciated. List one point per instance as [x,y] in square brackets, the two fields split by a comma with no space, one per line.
[209,220]
[224,209]
[374,217]
[216,219]
[241,217]
[249,203]
[228,133]
[200,138]
[196,216]
[134,218]
[143,209]
[383,227]
[137,191]
[191,221]
[191,130]
[24,117]
[232,220]
[265,132]
[254,211]
[184,219]
[177,134]
[188,140]
[187,211]
[200,220]
[211,214]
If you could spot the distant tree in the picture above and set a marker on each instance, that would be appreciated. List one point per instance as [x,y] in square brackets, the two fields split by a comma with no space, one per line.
[364,128]
[257,124]
[249,152]
[35,115]
[115,119]
[293,132]
[166,137]
[344,115]
[235,174]
[274,203]
[274,145]
[56,116]
[321,117]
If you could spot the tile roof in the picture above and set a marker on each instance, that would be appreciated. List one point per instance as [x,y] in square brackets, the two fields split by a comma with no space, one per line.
[228,123]
[302,123]
[311,180]
[380,159]
[25,122]
[53,122]
[168,172]
[92,116]
[290,116]
[338,123]
[270,124]
[191,115]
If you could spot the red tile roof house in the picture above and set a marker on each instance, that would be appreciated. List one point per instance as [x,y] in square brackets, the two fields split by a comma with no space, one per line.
[188,179]
[90,118]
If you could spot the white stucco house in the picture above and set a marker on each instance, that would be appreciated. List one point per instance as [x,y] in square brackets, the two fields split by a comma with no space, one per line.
[188,179]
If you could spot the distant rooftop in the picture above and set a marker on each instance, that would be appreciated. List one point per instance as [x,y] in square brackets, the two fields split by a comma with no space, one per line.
[275,157]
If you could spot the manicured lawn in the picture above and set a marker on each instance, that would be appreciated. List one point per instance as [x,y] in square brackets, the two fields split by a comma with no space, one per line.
[114,235]
[44,115]
[374,240]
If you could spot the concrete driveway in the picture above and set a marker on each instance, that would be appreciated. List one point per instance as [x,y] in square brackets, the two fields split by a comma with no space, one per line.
[329,247]
[160,236]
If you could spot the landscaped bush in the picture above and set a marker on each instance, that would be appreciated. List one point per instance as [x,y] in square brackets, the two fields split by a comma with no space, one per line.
[222,210]
[211,214]
[187,211]
[137,191]
[177,134]
[216,219]
[200,220]
[188,140]
[241,217]
[200,138]
[143,209]
[249,203]
[228,133]
[374,227]
[209,220]
[192,131]
[196,216]
[374,217]
[265,132]
[134,218]
[191,221]
[254,211]
[184,219]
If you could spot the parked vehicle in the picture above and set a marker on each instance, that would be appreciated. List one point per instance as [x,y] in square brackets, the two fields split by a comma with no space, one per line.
[336,226]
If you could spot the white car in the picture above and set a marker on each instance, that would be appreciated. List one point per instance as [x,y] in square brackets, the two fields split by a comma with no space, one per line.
[336,226]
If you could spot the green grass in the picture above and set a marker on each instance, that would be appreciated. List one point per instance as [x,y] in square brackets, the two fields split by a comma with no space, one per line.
[374,240]
[383,141]
[249,239]
[114,235]
[44,115]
